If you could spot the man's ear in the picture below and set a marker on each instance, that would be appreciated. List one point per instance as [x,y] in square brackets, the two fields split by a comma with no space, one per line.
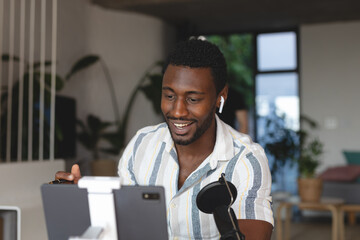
[223,93]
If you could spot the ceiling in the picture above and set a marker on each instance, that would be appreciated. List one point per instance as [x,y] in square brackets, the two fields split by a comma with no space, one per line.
[221,16]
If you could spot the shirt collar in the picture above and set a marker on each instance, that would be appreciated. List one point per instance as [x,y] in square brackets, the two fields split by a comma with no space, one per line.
[168,140]
[223,149]
[224,146]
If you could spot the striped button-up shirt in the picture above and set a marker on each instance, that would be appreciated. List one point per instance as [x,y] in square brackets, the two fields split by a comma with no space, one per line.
[151,159]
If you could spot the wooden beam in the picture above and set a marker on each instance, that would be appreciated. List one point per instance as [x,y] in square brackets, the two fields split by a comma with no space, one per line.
[128,4]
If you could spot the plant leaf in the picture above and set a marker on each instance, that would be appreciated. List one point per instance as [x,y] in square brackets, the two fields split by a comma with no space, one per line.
[81,64]
[81,124]
[114,138]
[86,140]
[38,64]
[152,91]
[6,57]
[93,123]
[96,125]
[59,82]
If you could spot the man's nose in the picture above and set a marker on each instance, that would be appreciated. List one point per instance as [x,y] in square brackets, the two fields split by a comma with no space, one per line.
[180,108]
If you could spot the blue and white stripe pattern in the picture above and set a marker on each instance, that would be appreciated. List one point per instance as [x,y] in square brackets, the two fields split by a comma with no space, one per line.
[151,159]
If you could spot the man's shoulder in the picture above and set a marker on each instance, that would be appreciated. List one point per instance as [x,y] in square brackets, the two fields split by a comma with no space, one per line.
[236,136]
[242,140]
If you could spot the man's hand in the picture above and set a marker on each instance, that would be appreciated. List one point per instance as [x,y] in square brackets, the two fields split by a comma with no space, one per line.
[74,176]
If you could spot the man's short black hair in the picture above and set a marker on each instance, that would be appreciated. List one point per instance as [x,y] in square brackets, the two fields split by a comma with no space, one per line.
[200,54]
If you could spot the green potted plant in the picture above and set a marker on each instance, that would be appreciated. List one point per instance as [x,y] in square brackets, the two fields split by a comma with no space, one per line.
[309,158]
[287,147]
[90,136]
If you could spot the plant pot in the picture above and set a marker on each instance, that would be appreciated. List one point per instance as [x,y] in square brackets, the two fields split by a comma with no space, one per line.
[104,167]
[310,189]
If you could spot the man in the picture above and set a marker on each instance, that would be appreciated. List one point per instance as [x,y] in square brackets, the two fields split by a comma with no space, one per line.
[194,147]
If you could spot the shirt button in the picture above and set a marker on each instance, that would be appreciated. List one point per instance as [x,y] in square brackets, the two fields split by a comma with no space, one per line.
[173,205]
[176,238]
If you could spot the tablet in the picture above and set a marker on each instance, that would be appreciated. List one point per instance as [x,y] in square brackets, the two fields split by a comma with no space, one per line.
[66,210]
[140,211]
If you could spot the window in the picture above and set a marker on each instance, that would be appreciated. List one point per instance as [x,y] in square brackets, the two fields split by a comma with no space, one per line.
[277,103]
[276,51]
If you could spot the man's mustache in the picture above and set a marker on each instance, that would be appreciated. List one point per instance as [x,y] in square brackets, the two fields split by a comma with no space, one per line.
[180,119]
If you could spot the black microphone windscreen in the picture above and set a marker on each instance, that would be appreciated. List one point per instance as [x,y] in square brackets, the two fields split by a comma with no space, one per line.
[214,195]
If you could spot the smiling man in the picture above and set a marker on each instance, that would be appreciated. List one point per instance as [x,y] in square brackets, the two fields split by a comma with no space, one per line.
[194,147]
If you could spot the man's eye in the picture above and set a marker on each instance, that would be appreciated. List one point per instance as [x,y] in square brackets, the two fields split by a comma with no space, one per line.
[193,100]
[169,97]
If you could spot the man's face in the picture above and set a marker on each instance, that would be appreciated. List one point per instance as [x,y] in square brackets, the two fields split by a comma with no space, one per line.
[188,102]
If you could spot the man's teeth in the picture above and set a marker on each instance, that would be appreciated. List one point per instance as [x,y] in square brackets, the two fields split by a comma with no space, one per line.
[179,125]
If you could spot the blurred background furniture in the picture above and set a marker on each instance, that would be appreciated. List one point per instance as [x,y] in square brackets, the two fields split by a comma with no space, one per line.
[325,204]
[344,182]
[350,208]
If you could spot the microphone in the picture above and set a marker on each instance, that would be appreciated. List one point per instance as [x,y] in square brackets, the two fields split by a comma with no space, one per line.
[216,198]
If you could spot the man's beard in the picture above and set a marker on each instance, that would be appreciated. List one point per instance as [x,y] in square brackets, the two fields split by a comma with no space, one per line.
[200,130]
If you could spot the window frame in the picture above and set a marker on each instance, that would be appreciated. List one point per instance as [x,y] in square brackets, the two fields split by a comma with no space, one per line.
[256,71]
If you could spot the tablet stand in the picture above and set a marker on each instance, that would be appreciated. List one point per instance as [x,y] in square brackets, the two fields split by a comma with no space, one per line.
[101,206]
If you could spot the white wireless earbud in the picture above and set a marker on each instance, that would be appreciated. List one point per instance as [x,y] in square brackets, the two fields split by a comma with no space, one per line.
[222,101]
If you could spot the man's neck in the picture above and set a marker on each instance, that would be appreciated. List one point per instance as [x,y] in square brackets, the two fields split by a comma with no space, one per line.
[191,156]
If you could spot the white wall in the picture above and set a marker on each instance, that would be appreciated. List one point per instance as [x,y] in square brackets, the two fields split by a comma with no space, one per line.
[330,85]
[129,43]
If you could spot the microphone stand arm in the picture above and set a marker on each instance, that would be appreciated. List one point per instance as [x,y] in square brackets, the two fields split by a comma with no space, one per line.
[238,234]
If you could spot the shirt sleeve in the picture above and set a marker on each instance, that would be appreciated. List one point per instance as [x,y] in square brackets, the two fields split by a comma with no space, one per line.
[252,179]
